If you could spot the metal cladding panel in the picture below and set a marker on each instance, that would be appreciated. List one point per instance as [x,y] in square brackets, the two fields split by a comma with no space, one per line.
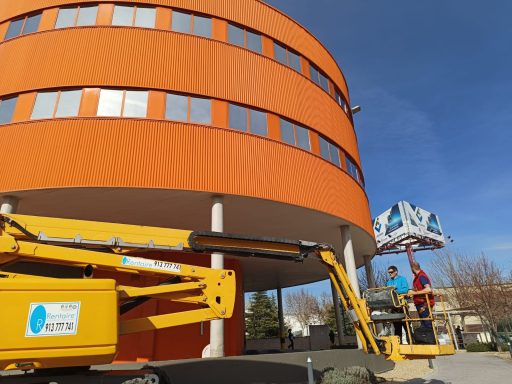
[254,14]
[153,59]
[136,153]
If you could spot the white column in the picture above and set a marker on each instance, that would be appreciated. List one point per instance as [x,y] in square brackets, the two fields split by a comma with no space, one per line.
[217,262]
[9,204]
[370,278]
[350,264]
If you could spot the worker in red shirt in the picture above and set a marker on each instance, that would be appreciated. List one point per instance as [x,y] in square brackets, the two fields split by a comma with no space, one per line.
[422,292]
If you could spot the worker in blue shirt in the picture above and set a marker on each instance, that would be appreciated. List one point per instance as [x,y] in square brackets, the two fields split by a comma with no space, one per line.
[401,287]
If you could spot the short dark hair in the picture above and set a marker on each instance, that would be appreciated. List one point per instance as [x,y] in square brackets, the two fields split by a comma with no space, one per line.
[393,268]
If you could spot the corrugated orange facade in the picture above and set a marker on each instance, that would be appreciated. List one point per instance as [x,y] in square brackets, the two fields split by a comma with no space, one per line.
[91,151]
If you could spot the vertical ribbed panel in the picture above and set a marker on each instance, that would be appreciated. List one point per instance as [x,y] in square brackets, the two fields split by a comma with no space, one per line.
[251,13]
[156,154]
[152,59]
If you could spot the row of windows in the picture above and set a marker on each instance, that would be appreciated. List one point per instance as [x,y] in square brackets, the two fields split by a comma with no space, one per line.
[178,107]
[144,16]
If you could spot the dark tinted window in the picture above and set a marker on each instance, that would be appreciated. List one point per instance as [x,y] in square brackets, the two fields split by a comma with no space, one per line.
[236,35]
[237,117]
[202,26]
[181,21]
[280,53]
[7,110]
[287,132]
[14,29]
[258,122]
[254,42]
[32,24]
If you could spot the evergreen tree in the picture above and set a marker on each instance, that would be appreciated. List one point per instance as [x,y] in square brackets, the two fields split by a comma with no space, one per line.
[261,318]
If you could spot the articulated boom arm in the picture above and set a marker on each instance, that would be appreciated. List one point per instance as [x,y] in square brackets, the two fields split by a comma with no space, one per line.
[113,247]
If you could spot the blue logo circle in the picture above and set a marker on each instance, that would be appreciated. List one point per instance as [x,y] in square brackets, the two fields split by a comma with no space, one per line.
[38,319]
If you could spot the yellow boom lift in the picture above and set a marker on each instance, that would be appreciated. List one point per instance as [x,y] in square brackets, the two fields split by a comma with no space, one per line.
[65,322]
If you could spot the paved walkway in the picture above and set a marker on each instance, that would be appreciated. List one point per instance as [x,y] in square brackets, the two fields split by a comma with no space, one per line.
[469,368]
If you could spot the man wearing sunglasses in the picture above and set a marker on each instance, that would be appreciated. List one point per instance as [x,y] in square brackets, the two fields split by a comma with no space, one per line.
[401,287]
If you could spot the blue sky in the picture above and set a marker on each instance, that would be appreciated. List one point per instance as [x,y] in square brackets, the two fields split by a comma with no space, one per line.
[434,80]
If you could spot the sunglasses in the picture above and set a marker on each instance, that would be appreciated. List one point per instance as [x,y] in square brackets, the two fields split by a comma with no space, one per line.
[391,272]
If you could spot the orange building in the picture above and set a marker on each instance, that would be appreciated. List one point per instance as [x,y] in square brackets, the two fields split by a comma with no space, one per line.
[145,111]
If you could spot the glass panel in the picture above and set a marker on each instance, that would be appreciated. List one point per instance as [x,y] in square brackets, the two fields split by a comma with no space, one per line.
[7,109]
[123,15]
[340,100]
[181,21]
[87,16]
[177,107]
[313,73]
[294,61]
[324,148]
[66,17]
[32,24]
[287,134]
[236,35]
[202,26]
[135,104]
[69,103]
[258,122]
[254,42]
[200,110]
[335,155]
[44,106]
[111,102]
[14,29]
[145,17]
[280,53]
[302,138]
[237,117]
[323,82]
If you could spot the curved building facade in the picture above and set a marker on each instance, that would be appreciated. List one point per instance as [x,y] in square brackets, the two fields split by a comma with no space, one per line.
[143,111]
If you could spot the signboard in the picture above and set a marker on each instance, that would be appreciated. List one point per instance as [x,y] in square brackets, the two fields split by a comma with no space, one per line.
[404,223]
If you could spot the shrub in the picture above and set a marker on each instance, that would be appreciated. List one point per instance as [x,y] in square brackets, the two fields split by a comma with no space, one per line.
[479,347]
[349,375]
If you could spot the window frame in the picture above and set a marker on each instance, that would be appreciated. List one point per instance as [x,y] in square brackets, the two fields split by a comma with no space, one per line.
[247,113]
[189,108]
[330,147]
[123,102]
[295,130]
[246,32]
[15,98]
[134,7]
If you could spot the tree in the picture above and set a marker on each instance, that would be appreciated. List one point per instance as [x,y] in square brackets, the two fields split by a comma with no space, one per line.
[380,276]
[261,318]
[329,317]
[304,307]
[476,284]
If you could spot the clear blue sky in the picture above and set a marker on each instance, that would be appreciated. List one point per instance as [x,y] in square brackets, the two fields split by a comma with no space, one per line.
[434,79]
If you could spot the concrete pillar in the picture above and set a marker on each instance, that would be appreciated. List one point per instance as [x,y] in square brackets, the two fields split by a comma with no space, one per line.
[9,204]
[280,315]
[350,264]
[337,315]
[370,278]
[217,262]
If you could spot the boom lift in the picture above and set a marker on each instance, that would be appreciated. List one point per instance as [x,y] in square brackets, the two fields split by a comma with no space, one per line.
[64,322]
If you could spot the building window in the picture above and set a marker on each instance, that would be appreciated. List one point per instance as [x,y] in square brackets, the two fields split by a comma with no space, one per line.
[287,57]
[23,26]
[248,120]
[352,170]
[56,104]
[194,24]
[245,38]
[319,78]
[77,16]
[189,109]
[237,117]
[7,109]
[200,110]
[118,103]
[135,104]
[69,103]
[329,151]
[295,135]
[134,16]
[44,106]
[340,100]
